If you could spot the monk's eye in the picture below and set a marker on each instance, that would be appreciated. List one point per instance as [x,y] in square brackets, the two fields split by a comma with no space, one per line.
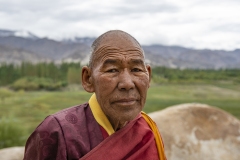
[112,70]
[136,70]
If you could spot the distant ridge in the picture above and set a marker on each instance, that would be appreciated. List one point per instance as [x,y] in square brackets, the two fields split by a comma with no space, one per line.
[20,33]
[19,46]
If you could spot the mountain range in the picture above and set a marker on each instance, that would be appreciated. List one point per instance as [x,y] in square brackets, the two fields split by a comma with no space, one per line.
[19,46]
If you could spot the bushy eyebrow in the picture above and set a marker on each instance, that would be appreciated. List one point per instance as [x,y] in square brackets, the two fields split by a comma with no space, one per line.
[137,61]
[111,61]
[116,61]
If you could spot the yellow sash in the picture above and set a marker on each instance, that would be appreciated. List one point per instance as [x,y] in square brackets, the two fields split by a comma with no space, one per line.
[157,136]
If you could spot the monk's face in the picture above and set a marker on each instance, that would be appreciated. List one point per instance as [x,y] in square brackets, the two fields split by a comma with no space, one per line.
[120,77]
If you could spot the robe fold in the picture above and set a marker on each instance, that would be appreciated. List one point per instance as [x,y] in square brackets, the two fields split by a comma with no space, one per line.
[77,134]
[134,141]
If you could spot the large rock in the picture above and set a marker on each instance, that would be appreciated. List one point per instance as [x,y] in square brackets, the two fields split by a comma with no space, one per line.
[12,153]
[197,131]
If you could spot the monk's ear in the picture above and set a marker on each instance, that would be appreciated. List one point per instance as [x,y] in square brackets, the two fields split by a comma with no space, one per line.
[87,82]
[149,69]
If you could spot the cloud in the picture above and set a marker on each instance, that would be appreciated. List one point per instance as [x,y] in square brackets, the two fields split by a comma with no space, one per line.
[191,23]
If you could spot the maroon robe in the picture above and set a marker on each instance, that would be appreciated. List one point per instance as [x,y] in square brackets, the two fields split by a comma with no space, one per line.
[68,134]
[73,133]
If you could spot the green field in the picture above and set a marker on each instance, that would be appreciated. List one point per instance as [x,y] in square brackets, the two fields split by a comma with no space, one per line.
[22,111]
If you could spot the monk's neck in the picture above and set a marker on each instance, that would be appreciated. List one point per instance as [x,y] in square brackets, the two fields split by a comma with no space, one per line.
[117,124]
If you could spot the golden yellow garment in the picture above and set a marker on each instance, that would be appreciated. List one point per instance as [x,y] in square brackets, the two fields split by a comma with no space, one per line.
[157,135]
[99,115]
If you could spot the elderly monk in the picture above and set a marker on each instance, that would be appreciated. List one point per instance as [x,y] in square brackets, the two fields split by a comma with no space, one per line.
[111,126]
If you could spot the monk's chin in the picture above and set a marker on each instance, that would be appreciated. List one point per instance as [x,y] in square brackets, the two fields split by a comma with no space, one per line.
[129,116]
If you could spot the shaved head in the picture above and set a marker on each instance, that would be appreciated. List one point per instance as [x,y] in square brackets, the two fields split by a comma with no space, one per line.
[113,38]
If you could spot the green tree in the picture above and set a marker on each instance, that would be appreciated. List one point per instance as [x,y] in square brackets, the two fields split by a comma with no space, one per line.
[73,75]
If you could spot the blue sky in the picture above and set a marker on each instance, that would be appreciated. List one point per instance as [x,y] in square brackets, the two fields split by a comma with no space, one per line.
[212,24]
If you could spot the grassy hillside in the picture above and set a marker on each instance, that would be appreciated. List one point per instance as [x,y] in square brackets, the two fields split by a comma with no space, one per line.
[22,111]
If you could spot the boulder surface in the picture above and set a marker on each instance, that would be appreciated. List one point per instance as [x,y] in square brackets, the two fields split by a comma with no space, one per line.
[197,131]
[12,153]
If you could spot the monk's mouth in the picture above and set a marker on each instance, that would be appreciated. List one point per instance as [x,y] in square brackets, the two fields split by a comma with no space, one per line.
[125,102]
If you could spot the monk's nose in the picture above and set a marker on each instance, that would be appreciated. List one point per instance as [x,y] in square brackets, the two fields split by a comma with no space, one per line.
[125,81]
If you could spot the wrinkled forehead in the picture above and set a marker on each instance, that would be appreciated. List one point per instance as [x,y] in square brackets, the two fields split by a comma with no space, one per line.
[115,43]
